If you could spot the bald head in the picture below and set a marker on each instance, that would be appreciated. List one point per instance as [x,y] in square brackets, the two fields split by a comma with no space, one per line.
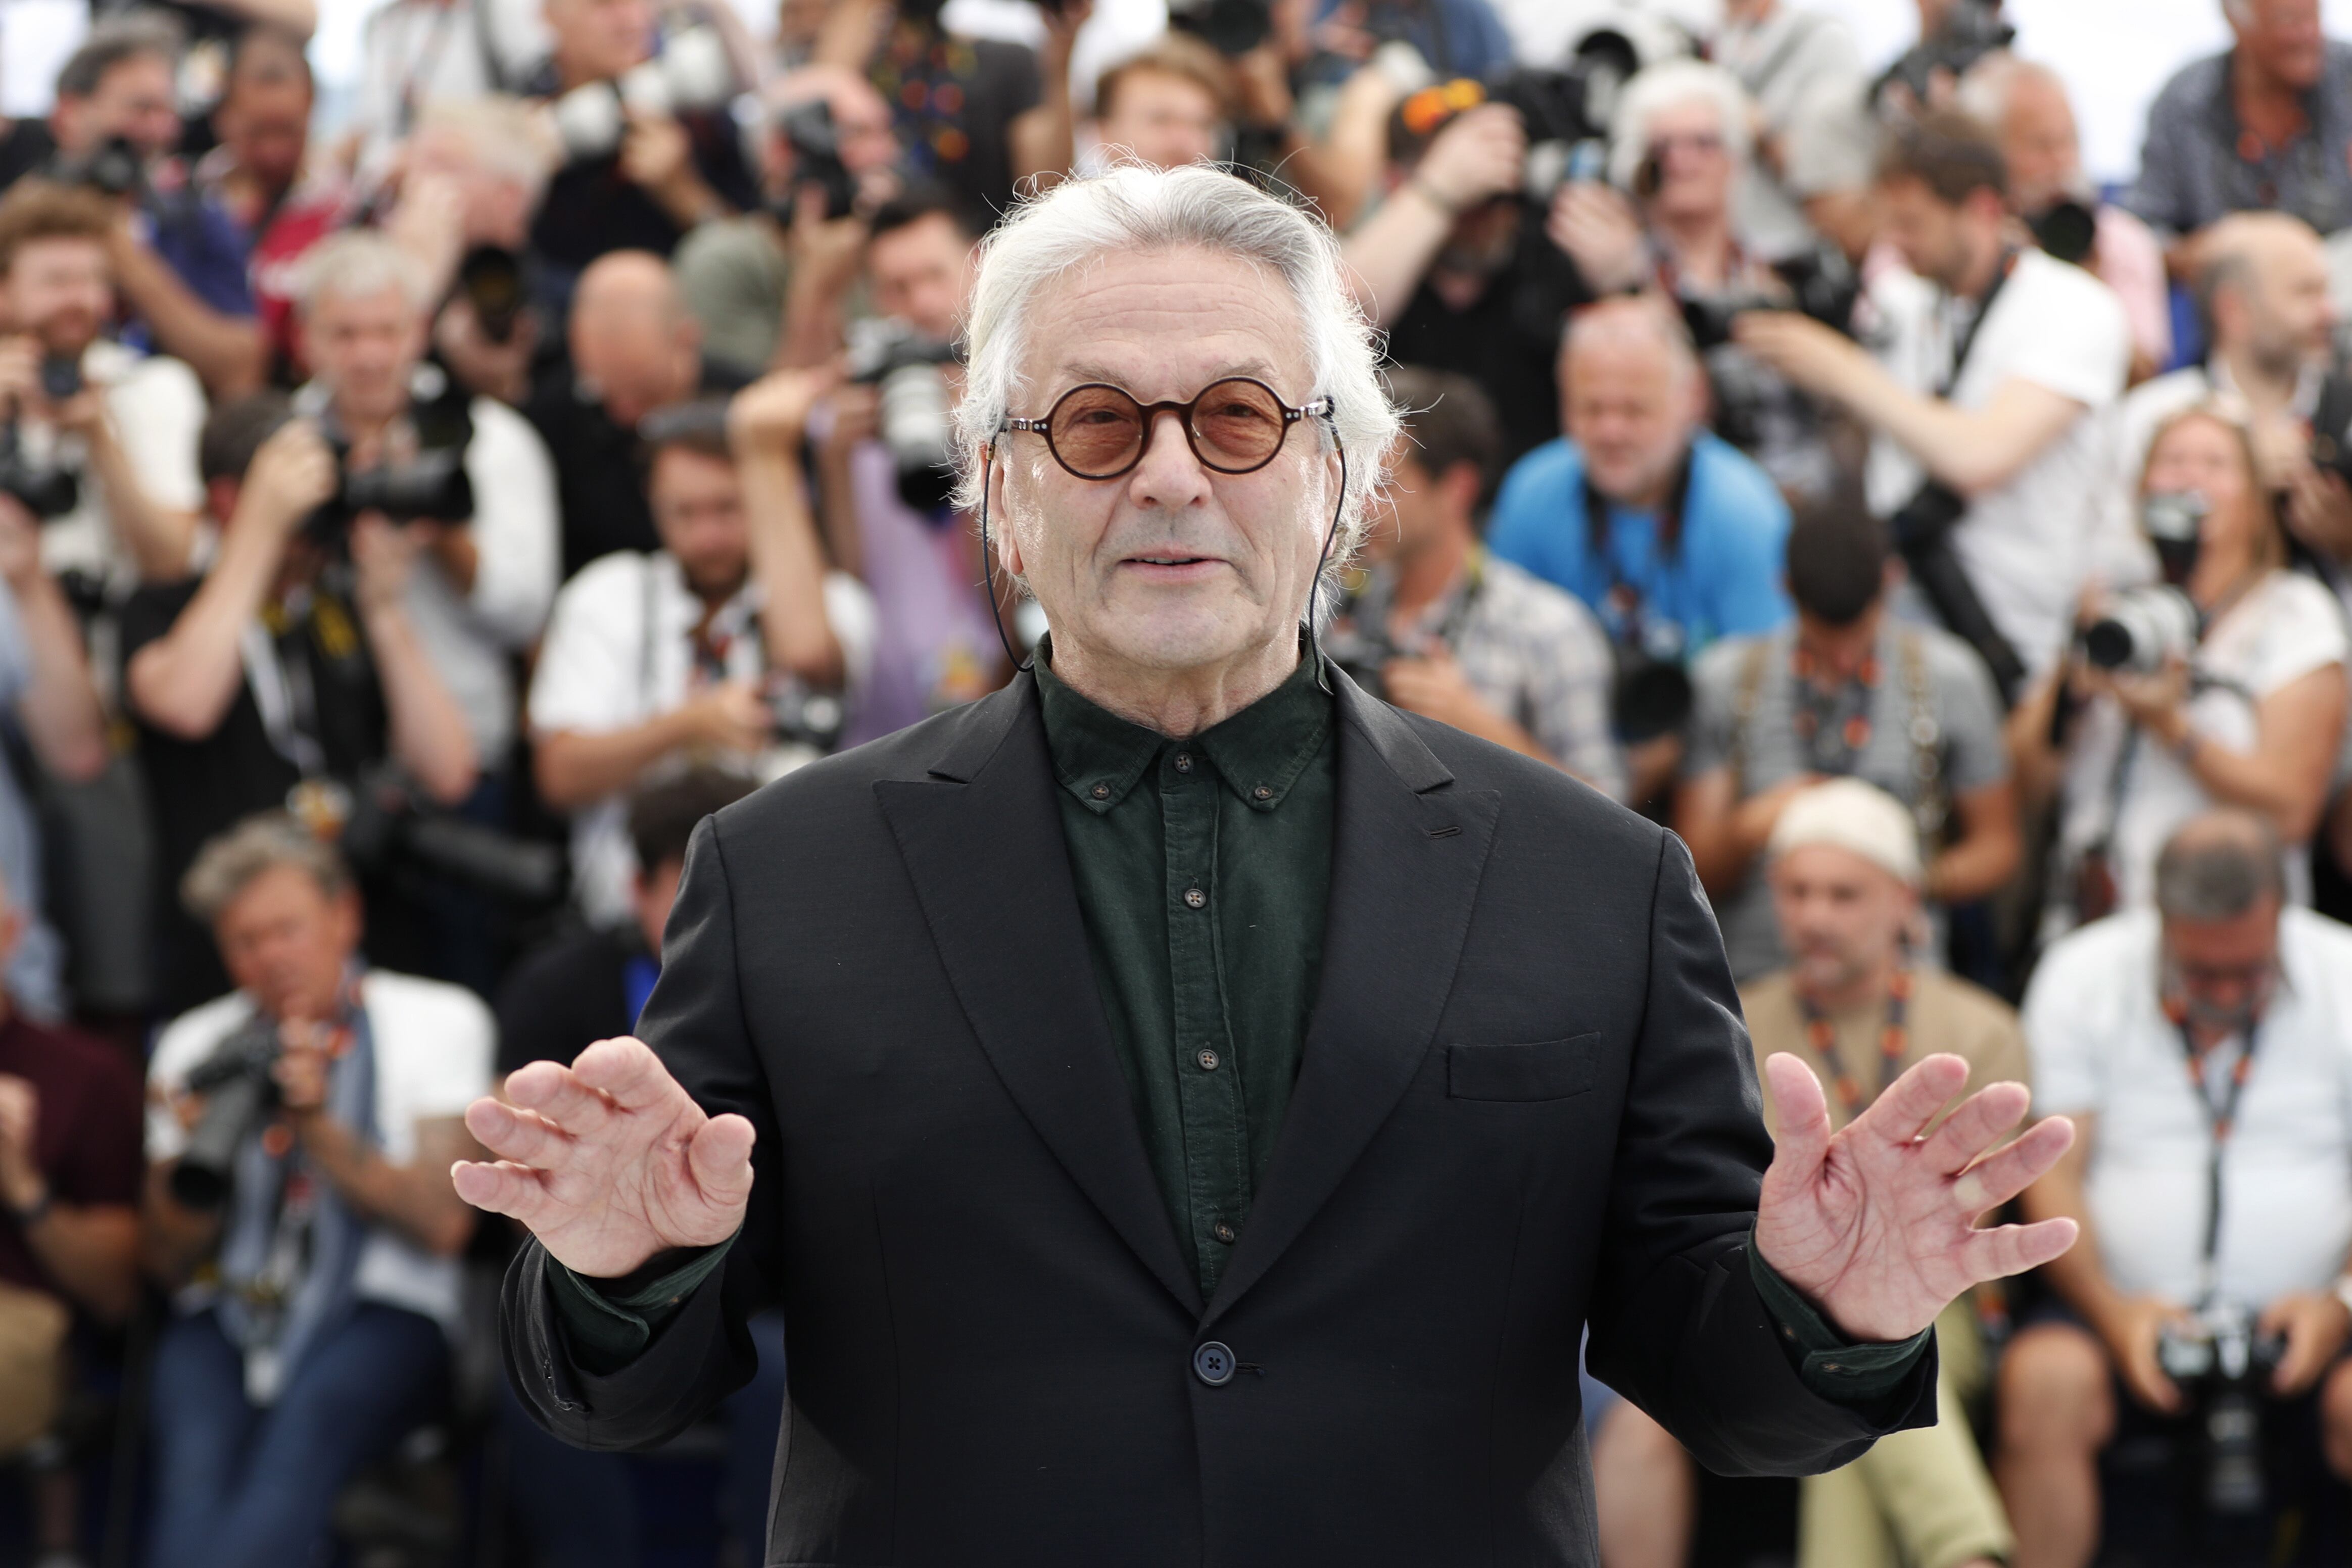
[631,336]
[1631,396]
[2264,288]
[2220,866]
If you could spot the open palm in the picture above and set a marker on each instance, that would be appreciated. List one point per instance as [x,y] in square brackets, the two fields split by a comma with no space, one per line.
[1876,1225]
[608,1161]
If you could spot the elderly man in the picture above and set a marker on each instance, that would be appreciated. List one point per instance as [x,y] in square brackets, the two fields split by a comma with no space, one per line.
[635,349]
[2025,104]
[1691,537]
[2115,1011]
[1122,1208]
[2266,123]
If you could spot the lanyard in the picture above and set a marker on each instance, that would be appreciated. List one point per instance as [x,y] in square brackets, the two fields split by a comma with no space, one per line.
[2222,1118]
[1854,735]
[1894,1039]
[1621,596]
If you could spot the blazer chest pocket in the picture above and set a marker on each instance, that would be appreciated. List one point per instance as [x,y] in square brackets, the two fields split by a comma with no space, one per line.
[1547,1070]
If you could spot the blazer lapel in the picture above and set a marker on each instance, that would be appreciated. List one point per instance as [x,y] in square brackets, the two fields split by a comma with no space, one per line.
[1409,848]
[982,842]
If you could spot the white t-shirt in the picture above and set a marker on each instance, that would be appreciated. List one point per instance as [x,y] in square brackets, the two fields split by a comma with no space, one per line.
[2102,1045]
[156,406]
[435,1046]
[602,668]
[2026,547]
[2285,627]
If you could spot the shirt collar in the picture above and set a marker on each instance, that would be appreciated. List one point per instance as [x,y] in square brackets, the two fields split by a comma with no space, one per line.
[1259,752]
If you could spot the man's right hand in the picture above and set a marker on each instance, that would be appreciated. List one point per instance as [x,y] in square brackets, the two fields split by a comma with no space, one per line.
[1479,157]
[2132,1330]
[292,475]
[728,716]
[608,1161]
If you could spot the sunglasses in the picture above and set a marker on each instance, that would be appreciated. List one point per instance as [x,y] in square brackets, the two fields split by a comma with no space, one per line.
[1096,431]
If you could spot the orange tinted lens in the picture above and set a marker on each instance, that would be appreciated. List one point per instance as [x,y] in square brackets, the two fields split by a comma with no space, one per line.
[1238,423]
[1096,430]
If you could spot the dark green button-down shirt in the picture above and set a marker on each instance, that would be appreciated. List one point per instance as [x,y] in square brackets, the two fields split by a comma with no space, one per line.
[1202,866]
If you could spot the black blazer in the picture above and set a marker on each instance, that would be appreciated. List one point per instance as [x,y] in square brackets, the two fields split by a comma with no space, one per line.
[1527,1102]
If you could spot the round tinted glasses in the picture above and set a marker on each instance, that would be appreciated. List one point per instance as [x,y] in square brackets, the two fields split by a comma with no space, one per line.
[1097,430]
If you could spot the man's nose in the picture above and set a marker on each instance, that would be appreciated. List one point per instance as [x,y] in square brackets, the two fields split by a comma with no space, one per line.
[1168,474]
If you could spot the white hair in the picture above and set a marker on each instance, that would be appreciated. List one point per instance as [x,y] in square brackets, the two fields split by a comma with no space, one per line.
[354,264]
[1133,208]
[1670,84]
[1984,93]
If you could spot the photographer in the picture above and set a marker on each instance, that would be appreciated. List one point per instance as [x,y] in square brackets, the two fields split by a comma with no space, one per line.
[1669,536]
[634,349]
[2202,1049]
[487,572]
[1456,264]
[301,1130]
[730,642]
[639,177]
[1168,104]
[1442,629]
[1679,155]
[1985,401]
[1846,692]
[2224,685]
[289,660]
[83,408]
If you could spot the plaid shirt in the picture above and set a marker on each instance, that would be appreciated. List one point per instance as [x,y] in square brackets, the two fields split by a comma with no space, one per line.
[1531,652]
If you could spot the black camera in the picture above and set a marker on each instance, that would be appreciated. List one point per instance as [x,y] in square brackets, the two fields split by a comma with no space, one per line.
[806,717]
[239,1086]
[1566,113]
[388,827]
[2223,1368]
[491,278]
[2066,229]
[1972,30]
[1820,283]
[430,485]
[908,371]
[112,168]
[37,484]
[815,143]
[1228,27]
[1649,695]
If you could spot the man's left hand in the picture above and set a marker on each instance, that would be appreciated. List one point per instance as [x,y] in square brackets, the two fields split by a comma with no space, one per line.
[2316,1324]
[772,413]
[654,151]
[1820,359]
[301,1070]
[1432,686]
[20,1121]
[1876,1225]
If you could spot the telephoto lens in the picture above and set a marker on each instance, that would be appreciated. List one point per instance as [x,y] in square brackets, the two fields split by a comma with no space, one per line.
[2140,628]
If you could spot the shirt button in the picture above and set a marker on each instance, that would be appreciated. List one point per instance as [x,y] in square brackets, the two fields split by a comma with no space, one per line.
[1184,762]
[1212,1364]
[1263,792]
[1207,1059]
[1223,1232]
[1194,898]
[1101,791]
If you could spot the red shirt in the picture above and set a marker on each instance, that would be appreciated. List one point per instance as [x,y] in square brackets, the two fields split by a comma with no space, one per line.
[87,1136]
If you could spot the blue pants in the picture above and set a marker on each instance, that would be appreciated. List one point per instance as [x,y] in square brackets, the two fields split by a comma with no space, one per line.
[238,1485]
[579,1509]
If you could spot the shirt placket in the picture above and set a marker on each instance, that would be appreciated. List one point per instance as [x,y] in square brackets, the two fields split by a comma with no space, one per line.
[1208,1081]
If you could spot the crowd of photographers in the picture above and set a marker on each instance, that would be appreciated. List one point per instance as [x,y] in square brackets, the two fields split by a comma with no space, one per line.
[406,538]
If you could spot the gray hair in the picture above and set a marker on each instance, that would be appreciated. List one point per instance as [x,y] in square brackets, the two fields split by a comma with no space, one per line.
[1670,84]
[1134,207]
[1984,92]
[2218,866]
[116,40]
[232,862]
[353,264]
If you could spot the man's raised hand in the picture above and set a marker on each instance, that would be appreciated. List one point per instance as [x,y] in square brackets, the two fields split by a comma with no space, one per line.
[1876,1225]
[608,1161]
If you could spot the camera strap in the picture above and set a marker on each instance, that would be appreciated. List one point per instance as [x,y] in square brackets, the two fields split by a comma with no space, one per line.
[1966,342]
[1622,595]
[2220,1118]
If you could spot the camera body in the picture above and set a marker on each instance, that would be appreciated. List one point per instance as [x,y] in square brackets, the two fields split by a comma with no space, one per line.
[39,484]
[113,169]
[2140,628]
[1229,27]
[691,72]
[2067,229]
[907,370]
[808,129]
[1819,283]
[2223,1366]
[806,718]
[240,1089]
[1972,30]
[386,826]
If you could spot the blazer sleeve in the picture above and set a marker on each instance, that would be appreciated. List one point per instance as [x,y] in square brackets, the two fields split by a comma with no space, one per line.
[694,1021]
[1677,1325]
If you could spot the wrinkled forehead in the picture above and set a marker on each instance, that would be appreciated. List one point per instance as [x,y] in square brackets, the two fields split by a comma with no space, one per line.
[1163,325]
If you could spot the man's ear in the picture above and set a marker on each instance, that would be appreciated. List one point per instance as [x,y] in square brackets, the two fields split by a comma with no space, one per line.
[1459,487]
[1000,517]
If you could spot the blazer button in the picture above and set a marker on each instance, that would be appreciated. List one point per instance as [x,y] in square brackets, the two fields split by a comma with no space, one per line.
[1212,1364]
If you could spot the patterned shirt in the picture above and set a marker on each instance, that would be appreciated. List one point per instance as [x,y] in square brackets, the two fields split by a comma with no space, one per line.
[2199,164]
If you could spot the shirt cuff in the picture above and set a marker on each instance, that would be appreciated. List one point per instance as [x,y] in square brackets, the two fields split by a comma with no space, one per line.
[1858,1373]
[609,1322]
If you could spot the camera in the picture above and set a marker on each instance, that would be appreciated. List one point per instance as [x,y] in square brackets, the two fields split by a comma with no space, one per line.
[2066,229]
[1565,112]
[113,168]
[429,485]
[816,142]
[490,280]
[240,1089]
[2174,523]
[1820,283]
[1650,694]
[2140,628]
[1228,27]
[2223,1366]
[806,717]
[1972,30]
[38,484]
[386,826]
[691,72]
[905,368]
